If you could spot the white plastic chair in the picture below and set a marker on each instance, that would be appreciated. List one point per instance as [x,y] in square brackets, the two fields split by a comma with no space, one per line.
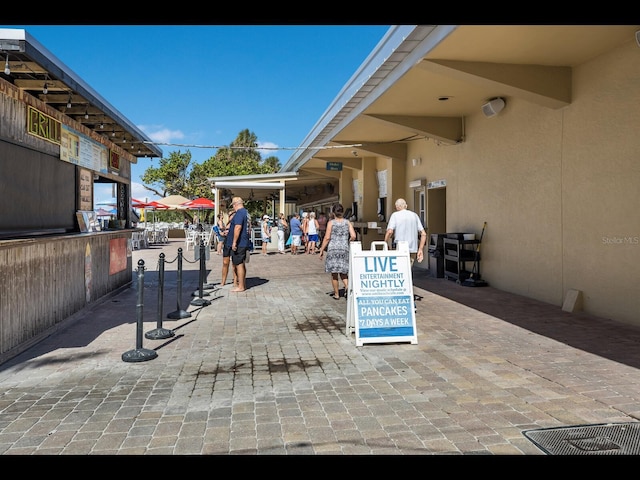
[135,241]
[192,239]
[210,240]
[164,235]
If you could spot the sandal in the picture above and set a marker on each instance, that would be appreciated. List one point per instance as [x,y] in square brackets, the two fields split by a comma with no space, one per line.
[336,297]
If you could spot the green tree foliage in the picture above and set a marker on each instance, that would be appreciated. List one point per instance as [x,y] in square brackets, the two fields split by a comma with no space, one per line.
[171,177]
[271,165]
[176,174]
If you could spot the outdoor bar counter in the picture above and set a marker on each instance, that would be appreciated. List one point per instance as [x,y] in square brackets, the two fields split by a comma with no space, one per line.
[44,280]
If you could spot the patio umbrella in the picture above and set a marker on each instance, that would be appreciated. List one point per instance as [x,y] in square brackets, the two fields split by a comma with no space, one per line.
[199,204]
[173,202]
[135,203]
[144,206]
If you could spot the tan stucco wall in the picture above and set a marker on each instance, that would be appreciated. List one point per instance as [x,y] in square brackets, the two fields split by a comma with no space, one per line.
[559,190]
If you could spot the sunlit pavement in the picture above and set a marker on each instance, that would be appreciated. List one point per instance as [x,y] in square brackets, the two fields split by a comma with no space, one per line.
[272,371]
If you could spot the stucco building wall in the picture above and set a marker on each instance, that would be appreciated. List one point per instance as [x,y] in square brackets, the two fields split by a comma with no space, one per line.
[559,190]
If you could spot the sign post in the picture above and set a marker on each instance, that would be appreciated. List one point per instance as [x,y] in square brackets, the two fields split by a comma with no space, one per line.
[380,306]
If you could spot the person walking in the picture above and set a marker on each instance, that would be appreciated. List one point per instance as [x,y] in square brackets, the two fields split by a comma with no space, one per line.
[219,229]
[340,233]
[296,233]
[405,226]
[241,243]
[226,254]
[322,226]
[304,220]
[265,233]
[282,225]
[312,233]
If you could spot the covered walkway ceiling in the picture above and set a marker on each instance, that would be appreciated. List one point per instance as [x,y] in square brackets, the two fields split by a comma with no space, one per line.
[32,66]
[298,186]
[421,81]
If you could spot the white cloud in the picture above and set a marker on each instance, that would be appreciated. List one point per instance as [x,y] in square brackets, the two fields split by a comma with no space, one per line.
[268,149]
[140,193]
[103,194]
[158,133]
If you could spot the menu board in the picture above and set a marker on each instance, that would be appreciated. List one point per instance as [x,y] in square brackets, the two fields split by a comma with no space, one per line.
[81,150]
[85,189]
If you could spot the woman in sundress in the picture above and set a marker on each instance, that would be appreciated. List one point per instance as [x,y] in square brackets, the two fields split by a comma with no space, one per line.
[339,234]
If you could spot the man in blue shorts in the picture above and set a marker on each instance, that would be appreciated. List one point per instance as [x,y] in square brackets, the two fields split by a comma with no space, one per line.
[240,231]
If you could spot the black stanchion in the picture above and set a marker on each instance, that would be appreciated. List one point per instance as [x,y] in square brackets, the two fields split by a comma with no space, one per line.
[179,313]
[206,285]
[159,332]
[139,354]
[199,254]
[201,302]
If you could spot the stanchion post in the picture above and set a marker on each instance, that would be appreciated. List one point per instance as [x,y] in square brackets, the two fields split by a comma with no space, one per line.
[206,285]
[200,302]
[139,354]
[202,268]
[179,313]
[159,332]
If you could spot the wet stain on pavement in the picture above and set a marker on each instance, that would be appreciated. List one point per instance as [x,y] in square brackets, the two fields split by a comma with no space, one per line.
[326,324]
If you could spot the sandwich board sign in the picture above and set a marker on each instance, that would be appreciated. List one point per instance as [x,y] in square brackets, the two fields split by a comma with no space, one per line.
[380,306]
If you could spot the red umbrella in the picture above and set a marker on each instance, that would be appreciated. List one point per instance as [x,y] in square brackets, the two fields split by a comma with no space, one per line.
[201,202]
[135,203]
[157,205]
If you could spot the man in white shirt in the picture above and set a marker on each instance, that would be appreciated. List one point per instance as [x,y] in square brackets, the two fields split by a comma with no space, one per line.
[405,226]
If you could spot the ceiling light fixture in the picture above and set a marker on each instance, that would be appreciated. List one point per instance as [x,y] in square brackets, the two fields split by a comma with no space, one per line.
[86,114]
[7,69]
[113,132]
[69,102]
[493,107]
[45,88]
[102,124]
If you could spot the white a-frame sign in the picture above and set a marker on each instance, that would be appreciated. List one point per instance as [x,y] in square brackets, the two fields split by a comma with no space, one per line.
[380,305]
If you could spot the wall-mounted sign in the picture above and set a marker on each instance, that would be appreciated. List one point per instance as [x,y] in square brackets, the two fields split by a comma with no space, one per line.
[82,150]
[85,189]
[437,184]
[382,183]
[114,160]
[334,166]
[43,126]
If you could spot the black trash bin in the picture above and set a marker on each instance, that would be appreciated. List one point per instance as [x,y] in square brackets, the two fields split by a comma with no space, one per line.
[436,255]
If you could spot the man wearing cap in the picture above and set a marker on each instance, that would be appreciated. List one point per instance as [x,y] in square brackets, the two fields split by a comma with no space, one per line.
[240,230]
[265,233]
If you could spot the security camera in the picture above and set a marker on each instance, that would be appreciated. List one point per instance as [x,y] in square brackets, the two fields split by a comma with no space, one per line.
[355,154]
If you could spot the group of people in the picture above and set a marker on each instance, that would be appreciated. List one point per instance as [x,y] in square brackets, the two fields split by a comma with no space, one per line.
[265,232]
[305,231]
[404,226]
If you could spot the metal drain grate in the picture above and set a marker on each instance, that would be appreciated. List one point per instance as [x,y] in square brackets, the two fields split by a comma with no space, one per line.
[598,439]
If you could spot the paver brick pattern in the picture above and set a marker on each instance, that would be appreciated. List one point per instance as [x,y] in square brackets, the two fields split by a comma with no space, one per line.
[273,371]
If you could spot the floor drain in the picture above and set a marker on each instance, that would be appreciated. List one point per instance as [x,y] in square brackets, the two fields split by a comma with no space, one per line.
[597,439]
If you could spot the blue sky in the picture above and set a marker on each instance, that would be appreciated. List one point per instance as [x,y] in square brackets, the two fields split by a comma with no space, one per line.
[201,85]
